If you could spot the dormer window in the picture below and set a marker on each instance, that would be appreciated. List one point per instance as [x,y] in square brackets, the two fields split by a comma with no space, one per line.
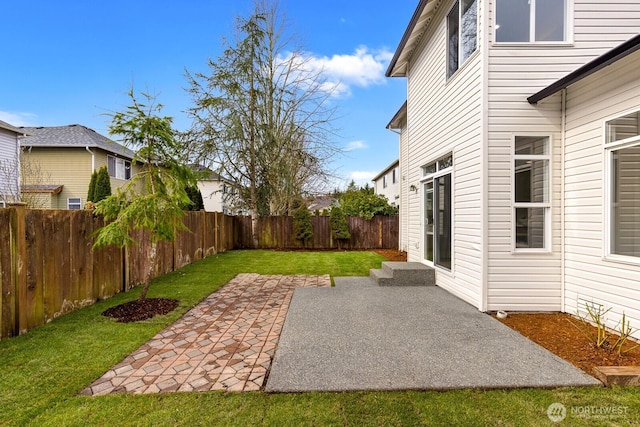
[462,33]
[529,21]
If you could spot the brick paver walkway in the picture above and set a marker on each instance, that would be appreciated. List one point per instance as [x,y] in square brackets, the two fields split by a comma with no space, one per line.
[226,342]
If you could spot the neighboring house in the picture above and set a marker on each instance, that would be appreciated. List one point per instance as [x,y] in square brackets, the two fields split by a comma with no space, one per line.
[68,155]
[322,203]
[387,183]
[523,185]
[217,192]
[9,163]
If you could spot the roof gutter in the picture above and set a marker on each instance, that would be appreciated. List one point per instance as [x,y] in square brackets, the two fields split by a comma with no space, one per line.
[597,64]
[93,159]
[407,34]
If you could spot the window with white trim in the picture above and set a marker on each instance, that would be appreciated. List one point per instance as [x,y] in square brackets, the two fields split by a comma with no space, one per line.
[384,181]
[622,151]
[394,175]
[119,168]
[462,33]
[527,21]
[74,203]
[531,192]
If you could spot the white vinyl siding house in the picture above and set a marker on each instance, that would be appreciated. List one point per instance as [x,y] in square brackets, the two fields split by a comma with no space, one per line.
[512,215]
[437,129]
[9,163]
[387,183]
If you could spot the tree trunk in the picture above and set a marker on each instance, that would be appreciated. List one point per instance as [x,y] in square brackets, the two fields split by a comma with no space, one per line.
[152,263]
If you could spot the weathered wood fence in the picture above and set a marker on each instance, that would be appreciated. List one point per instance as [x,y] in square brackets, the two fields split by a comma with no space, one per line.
[48,266]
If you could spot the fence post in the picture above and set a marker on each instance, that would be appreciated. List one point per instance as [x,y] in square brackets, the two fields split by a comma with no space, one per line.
[19,267]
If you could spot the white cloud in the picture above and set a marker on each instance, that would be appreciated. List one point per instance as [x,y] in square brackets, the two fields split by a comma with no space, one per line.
[356,145]
[17,119]
[361,178]
[363,68]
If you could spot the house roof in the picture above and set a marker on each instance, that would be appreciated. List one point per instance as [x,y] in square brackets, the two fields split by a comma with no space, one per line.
[53,189]
[209,175]
[7,126]
[597,64]
[387,169]
[71,136]
[398,118]
[412,35]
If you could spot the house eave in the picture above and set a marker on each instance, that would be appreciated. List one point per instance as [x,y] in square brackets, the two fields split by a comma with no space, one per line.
[398,118]
[597,64]
[421,17]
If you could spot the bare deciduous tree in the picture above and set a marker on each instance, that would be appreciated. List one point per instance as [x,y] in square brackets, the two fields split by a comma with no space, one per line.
[262,115]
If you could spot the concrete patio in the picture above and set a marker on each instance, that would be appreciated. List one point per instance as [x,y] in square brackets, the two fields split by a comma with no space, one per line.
[360,336]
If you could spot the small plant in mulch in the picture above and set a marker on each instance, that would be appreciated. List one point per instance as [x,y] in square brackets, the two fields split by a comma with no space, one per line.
[600,337]
[137,310]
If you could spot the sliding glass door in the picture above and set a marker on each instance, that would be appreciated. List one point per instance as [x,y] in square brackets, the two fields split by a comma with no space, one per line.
[438,212]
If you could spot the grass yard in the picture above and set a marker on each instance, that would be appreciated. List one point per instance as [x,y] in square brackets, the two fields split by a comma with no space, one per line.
[42,371]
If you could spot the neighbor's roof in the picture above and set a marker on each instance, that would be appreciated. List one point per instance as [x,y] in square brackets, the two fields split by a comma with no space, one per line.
[7,126]
[71,136]
[412,35]
[208,174]
[597,64]
[53,189]
[387,169]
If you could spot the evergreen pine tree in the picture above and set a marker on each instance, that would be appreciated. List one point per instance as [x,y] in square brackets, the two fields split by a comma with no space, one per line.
[338,224]
[195,196]
[103,185]
[302,227]
[92,186]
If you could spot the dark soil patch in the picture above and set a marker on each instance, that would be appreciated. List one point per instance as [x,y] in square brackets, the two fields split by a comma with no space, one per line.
[556,333]
[137,310]
[392,254]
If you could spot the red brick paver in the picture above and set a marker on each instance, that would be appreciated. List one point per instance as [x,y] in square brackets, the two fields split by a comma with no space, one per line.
[226,342]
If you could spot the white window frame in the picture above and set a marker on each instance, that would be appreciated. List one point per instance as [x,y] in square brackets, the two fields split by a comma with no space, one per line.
[568,27]
[78,203]
[124,163]
[609,148]
[547,205]
[461,60]
[384,181]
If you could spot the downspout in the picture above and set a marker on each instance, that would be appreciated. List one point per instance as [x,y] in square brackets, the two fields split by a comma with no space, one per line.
[563,112]
[93,159]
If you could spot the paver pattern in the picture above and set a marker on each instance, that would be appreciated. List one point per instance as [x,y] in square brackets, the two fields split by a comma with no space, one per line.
[226,342]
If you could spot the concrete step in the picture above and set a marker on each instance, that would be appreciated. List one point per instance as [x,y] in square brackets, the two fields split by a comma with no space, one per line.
[381,277]
[354,282]
[403,274]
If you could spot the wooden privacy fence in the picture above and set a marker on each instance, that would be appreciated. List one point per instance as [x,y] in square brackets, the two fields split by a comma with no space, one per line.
[48,266]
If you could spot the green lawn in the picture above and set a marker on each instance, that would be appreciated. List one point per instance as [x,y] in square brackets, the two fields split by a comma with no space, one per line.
[41,372]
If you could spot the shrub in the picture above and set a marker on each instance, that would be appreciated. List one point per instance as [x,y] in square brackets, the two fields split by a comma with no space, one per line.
[103,185]
[92,186]
[302,227]
[338,224]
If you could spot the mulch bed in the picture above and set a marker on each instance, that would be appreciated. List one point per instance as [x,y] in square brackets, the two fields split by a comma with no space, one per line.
[392,254]
[137,310]
[556,333]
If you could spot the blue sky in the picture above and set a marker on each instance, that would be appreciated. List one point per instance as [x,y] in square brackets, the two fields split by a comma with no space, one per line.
[67,62]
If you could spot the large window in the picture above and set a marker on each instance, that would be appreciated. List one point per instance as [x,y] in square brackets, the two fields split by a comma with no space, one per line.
[119,168]
[462,34]
[622,146]
[531,198]
[524,21]
[438,233]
